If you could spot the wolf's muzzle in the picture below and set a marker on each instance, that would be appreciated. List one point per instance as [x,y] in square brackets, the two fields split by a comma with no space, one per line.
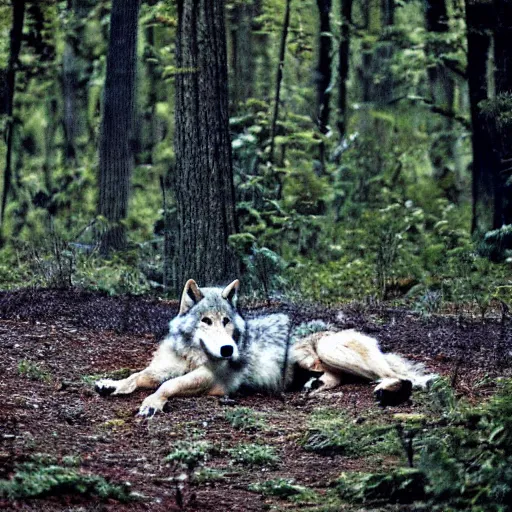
[219,352]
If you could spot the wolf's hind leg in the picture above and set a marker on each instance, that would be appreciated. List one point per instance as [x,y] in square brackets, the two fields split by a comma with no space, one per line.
[355,353]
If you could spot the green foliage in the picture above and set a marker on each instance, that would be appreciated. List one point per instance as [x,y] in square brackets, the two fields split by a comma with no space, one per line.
[254,455]
[34,371]
[283,488]
[205,475]
[190,454]
[403,485]
[462,457]
[498,110]
[120,373]
[495,243]
[331,432]
[34,480]
[380,213]
[53,262]
[244,419]
[467,462]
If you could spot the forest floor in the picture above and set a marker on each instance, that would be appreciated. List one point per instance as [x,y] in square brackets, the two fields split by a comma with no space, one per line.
[54,344]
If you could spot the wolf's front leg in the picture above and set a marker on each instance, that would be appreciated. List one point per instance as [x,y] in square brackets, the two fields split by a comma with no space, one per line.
[164,365]
[198,382]
[144,379]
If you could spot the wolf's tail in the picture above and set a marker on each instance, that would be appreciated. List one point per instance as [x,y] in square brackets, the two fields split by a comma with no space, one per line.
[409,370]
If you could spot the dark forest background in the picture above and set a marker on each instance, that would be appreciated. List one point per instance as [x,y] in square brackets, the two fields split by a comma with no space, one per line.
[320,149]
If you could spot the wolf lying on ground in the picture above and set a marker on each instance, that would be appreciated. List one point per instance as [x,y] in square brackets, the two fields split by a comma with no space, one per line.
[211,349]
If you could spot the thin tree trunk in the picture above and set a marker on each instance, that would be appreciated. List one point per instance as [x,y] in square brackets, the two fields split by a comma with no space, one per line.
[116,159]
[262,66]
[323,72]
[18,15]
[74,107]
[479,22]
[343,65]
[279,78]
[243,54]
[436,16]
[205,195]
[388,12]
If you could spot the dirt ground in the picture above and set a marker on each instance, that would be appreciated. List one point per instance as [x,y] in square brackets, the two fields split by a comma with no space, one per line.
[72,336]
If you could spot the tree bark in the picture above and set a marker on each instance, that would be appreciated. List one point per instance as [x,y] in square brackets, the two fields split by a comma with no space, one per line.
[343,65]
[388,12]
[436,15]
[279,78]
[323,70]
[116,159]
[479,22]
[442,87]
[503,84]
[203,179]
[16,33]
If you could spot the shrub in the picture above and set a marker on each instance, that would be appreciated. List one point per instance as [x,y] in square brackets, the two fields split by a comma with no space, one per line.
[32,480]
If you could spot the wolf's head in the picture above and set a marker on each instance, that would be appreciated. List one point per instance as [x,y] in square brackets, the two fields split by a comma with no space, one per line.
[209,319]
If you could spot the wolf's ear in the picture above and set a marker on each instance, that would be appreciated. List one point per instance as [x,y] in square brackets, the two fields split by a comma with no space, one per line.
[191,295]
[230,292]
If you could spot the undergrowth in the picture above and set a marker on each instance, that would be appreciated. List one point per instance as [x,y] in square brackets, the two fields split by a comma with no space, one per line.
[462,458]
[36,480]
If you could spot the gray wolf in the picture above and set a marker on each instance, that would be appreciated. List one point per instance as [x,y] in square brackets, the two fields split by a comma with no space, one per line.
[211,349]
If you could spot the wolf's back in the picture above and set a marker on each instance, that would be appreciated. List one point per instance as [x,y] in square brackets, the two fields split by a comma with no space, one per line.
[266,347]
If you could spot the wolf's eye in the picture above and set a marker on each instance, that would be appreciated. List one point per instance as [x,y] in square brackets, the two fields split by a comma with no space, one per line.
[206,320]
[225,321]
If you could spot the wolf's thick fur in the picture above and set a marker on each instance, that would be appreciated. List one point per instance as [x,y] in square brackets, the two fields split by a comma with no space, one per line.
[211,349]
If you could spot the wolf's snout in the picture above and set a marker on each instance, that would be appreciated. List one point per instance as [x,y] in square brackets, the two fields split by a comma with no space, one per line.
[226,351]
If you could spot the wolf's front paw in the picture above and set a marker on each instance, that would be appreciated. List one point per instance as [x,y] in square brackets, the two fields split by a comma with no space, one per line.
[105,387]
[151,405]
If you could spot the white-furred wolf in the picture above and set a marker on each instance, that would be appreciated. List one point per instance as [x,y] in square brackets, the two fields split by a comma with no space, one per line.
[211,349]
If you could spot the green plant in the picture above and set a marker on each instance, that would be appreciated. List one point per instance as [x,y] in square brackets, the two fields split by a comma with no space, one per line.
[403,485]
[120,373]
[33,480]
[190,454]
[283,488]
[34,371]
[254,455]
[330,432]
[244,418]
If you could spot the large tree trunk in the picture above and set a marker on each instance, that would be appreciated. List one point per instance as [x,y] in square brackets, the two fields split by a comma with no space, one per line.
[442,88]
[503,84]
[116,158]
[18,15]
[343,65]
[479,22]
[205,196]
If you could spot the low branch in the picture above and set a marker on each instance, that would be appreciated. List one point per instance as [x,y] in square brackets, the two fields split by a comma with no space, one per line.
[436,109]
